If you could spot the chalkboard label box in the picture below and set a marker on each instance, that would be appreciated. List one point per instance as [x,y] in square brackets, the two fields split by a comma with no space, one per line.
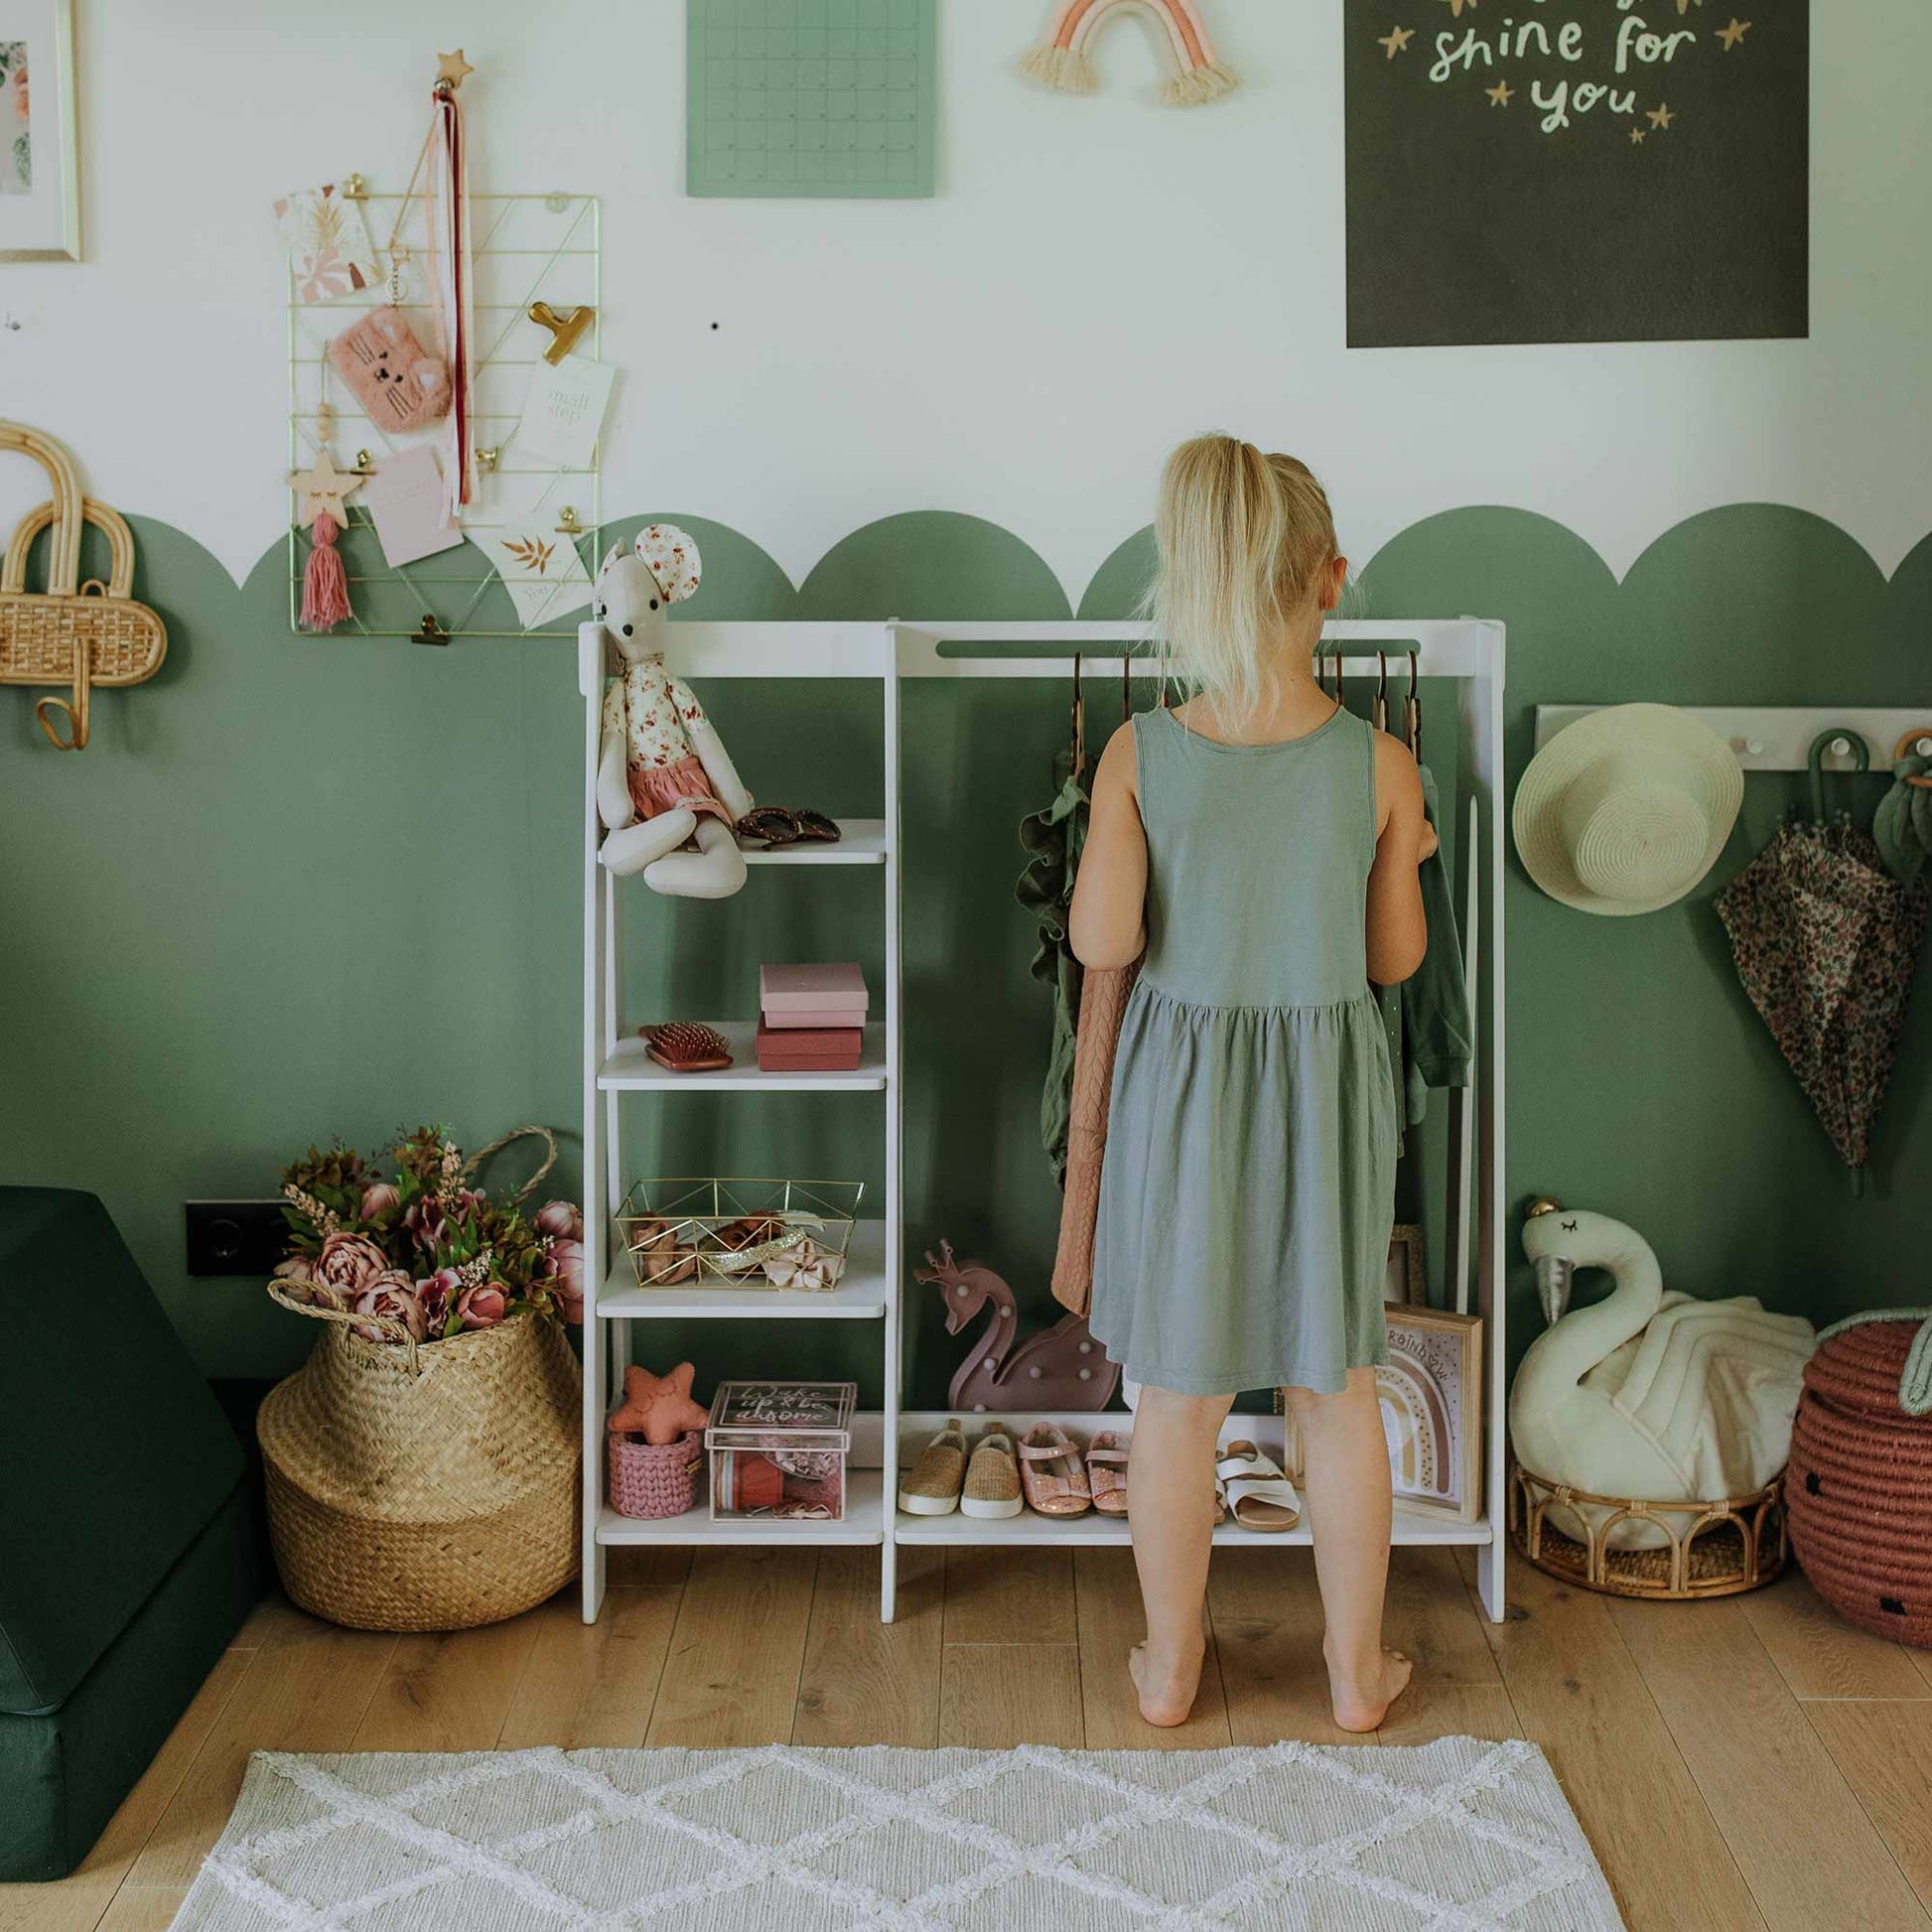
[1564,171]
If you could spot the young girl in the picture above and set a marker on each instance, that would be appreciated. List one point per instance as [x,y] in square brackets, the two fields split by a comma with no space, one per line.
[1260,844]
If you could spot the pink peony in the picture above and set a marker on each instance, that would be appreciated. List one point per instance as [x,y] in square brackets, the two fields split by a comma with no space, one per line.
[392,1293]
[567,1279]
[297,1268]
[379,1198]
[561,1219]
[298,1277]
[482,1307]
[347,1264]
[436,1292]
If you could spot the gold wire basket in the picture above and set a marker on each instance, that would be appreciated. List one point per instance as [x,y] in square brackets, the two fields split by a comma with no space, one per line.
[750,1234]
[1705,1549]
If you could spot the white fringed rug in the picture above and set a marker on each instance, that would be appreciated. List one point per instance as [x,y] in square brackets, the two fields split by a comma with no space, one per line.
[1456,1834]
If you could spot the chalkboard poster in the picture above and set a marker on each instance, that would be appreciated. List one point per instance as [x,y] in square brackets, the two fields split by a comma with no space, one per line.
[1559,171]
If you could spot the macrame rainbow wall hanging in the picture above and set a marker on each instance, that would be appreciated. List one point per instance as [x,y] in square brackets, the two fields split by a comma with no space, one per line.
[1063,61]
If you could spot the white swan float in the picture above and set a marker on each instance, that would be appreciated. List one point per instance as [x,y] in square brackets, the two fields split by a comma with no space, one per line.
[1644,1394]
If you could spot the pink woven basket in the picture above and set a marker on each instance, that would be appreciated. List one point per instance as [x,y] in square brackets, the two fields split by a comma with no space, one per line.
[654,1480]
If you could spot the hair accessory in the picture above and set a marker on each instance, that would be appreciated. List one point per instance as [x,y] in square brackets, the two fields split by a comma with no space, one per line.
[1061,61]
[687,1047]
[1627,809]
[778,825]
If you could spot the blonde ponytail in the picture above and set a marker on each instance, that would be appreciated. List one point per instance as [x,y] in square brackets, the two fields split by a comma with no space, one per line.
[1242,538]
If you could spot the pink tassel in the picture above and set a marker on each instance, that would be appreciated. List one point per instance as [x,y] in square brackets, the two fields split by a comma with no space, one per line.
[325,584]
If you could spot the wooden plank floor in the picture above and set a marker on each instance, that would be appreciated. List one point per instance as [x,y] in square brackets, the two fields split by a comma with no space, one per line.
[1752,1764]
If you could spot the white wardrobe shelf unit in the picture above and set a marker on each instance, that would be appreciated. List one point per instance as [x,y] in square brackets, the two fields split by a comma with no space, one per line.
[1468,651]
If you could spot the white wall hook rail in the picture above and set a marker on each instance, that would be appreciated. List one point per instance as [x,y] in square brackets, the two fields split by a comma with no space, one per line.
[1779,738]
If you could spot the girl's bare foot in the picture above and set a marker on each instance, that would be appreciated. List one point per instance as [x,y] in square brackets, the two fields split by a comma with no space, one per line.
[1167,1696]
[1361,1706]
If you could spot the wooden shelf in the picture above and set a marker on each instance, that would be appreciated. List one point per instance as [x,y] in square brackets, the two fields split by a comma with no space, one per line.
[1030,1531]
[633,1070]
[862,1295]
[865,1522]
[863,844]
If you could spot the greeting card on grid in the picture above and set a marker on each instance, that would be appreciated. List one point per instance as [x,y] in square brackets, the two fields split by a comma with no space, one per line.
[409,507]
[563,414]
[541,569]
[329,242]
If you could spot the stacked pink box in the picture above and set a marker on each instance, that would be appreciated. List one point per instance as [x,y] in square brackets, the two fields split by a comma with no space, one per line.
[811,1019]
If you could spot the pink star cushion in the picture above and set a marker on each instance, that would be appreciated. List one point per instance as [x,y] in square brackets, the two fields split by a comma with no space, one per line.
[659,1407]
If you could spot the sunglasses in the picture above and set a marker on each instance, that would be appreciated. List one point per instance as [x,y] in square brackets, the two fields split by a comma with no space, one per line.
[773,825]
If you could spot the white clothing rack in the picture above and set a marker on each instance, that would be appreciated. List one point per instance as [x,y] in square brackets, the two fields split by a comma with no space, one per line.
[1468,650]
[1779,738]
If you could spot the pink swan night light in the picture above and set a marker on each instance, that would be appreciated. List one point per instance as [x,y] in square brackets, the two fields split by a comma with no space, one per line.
[1062,59]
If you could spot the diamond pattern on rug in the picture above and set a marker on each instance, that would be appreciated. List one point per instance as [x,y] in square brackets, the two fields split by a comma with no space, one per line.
[1457,1836]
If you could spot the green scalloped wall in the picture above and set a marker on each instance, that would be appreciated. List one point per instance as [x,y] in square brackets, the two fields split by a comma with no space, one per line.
[299,887]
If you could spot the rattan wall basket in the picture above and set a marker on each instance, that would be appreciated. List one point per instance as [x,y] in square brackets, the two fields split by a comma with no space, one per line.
[71,634]
[425,1488]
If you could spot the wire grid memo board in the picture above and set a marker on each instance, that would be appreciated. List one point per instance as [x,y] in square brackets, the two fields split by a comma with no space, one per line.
[526,249]
[810,97]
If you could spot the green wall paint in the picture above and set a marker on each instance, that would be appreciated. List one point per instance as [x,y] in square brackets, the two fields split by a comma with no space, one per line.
[306,886]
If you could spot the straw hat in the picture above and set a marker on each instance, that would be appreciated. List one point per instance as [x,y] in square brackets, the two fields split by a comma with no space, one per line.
[1627,809]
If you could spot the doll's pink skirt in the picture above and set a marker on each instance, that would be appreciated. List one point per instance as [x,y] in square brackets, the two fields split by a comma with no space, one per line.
[664,788]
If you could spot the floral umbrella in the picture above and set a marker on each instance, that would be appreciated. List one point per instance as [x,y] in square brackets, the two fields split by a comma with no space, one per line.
[1826,944]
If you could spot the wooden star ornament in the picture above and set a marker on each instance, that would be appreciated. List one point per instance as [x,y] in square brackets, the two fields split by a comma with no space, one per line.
[1396,41]
[659,1407]
[322,486]
[451,70]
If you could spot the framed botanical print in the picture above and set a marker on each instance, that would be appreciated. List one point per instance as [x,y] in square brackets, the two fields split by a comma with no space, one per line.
[40,172]
[1431,1398]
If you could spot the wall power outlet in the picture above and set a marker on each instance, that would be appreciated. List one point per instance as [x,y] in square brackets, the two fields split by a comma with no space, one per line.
[236,1237]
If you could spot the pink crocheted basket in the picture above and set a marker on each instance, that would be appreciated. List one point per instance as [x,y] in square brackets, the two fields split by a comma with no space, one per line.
[652,1479]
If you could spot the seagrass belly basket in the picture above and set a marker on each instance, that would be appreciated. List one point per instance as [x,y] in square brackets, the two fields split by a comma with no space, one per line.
[71,634]
[429,1488]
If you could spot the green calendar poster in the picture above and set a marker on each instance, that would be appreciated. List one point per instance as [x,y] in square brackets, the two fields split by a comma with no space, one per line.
[811,98]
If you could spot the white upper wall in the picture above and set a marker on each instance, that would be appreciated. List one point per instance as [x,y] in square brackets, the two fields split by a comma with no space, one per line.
[1096,278]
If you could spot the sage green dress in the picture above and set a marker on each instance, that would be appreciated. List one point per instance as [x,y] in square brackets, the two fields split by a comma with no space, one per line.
[1247,1195]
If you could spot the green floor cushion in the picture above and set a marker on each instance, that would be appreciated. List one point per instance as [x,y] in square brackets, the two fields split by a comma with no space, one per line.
[114,1456]
[63,1773]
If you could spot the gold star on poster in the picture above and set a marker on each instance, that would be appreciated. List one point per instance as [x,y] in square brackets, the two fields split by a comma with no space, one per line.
[1500,94]
[454,69]
[1684,7]
[1396,41]
[1660,116]
[1455,7]
[322,487]
[1636,137]
[1729,37]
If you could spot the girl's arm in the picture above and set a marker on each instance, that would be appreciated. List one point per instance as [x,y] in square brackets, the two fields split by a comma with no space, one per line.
[1108,925]
[1398,933]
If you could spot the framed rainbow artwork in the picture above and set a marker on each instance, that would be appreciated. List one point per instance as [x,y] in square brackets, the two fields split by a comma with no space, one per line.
[1064,62]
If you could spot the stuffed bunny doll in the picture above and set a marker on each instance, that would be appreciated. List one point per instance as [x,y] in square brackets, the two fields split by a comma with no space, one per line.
[666,790]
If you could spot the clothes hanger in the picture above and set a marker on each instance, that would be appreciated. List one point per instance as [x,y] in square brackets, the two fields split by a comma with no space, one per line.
[1379,710]
[1078,721]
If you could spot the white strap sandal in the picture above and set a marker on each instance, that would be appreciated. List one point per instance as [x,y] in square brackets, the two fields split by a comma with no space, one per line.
[1259,1496]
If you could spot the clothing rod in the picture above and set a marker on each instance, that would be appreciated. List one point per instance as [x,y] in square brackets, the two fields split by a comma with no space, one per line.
[1779,738]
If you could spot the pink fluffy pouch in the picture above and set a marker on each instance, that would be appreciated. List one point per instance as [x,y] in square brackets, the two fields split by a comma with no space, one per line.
[399,382]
